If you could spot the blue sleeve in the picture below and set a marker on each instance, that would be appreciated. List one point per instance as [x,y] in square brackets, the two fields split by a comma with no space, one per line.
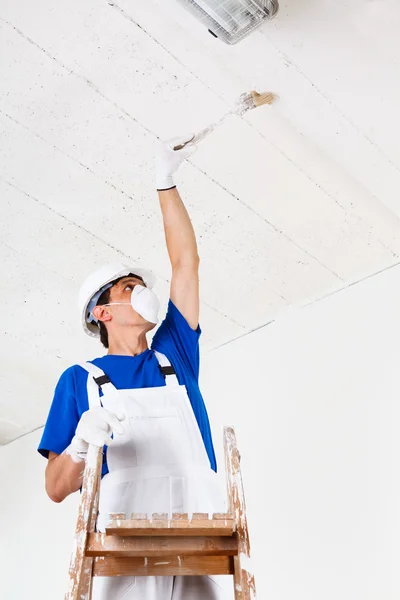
[63,417]
[176,331]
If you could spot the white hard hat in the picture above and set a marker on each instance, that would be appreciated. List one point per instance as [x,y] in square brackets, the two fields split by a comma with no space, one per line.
[97,282]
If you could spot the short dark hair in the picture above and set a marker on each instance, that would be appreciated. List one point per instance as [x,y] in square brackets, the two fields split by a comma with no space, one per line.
[105,299]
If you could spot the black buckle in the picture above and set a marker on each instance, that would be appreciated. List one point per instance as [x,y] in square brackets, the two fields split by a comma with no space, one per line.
[167,370]
[102,380]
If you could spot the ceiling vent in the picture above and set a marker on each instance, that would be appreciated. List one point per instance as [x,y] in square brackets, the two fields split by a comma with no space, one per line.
[232,20]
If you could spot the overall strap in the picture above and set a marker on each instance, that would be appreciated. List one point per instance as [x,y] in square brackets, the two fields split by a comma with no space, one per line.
[97,380]
[167,370]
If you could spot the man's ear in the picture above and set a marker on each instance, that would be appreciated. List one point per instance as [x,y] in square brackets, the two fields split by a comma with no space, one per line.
[101,313]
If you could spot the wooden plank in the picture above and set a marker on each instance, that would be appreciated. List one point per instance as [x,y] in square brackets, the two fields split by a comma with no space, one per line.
[81,567]
[188,565]
[132,527]
[100,544]
[244,583]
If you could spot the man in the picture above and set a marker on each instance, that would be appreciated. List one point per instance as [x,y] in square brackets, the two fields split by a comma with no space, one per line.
[143,404]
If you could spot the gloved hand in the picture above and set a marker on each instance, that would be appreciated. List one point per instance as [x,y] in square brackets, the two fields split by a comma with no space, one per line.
[169,160]
[95,427]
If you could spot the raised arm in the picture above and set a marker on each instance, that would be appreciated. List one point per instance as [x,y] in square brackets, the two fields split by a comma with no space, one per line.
[179,233]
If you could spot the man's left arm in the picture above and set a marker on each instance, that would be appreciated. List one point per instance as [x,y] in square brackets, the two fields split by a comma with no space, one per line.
[182,250]
[179,233]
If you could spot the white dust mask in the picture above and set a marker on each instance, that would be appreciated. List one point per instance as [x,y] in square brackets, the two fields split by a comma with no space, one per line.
[145,303]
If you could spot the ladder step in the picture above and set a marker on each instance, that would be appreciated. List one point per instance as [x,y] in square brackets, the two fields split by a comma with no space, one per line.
[185,565]
[179,525]
[100,544]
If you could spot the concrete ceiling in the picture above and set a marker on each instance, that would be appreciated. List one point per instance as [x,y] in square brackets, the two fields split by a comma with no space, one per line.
[289,203]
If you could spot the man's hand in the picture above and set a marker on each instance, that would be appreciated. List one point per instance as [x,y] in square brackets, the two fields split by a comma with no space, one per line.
[95,427]
[169,160]
[64,471]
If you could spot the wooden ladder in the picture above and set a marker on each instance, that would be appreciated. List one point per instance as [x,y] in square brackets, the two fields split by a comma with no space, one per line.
[156,545]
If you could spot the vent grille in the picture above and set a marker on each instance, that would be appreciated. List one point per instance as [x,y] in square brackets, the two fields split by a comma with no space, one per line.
[232,20]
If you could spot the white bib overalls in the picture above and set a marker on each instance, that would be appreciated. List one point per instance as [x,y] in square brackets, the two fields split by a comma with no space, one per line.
[160,465]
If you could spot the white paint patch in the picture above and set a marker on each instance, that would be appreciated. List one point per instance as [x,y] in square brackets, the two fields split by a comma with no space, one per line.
[245,562]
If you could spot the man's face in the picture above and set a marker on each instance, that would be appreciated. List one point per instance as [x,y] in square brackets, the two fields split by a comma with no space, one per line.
[121,292]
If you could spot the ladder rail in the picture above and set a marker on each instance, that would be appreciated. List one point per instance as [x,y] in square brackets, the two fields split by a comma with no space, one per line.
[81,566]
[244,583]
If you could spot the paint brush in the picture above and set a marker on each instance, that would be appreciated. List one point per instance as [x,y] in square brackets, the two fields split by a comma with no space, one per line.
[245,102]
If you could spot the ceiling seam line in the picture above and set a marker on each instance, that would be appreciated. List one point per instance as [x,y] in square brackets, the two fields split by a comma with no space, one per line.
[365,278]
[222,314]
[71,222]
[76,160]
[241,336]
[22,435]
[307,305]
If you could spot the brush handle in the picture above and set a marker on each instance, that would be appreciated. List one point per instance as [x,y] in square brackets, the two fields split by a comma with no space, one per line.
[245,102]
[198,137]
[202,134]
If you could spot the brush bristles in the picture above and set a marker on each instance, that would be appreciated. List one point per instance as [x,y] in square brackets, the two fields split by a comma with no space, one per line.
[260,99]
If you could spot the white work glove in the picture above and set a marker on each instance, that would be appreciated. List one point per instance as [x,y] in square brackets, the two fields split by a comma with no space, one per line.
[169,160]
[95,427]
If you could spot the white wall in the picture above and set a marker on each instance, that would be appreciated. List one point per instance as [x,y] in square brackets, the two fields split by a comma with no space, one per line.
[314,401]
[36,534]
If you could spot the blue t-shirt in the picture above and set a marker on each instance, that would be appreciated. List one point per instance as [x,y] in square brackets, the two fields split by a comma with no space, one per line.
[174,338]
